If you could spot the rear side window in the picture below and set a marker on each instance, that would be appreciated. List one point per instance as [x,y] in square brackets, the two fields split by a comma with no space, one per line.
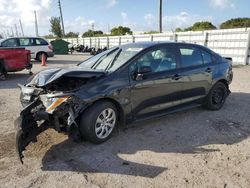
[10,43]
[25,42]
[40,42]
[207,57]
[190,56]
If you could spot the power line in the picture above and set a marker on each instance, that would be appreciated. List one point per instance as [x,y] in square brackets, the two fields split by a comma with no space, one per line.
[60,8]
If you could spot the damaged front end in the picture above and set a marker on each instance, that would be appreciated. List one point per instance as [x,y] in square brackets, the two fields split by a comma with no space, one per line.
[50,104]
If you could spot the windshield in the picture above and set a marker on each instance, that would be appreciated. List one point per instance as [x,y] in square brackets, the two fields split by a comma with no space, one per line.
[111,59]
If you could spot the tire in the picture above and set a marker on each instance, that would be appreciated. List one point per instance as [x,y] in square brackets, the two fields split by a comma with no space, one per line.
[39,56]
[216,97]
[3,73]
[94,127]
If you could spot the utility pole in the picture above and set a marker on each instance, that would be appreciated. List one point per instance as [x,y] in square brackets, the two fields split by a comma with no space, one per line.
[21,26]
[12,33]
[36,26]
[60,8]
[8,33]
[93,26]
[16,30]
[108,28]
[160,16]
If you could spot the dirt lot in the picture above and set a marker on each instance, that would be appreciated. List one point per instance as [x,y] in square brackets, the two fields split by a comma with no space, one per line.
[193,148]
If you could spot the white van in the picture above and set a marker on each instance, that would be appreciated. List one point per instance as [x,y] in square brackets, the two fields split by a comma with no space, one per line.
[38,46]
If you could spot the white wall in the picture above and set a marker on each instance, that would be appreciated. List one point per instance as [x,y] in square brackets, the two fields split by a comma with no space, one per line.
[227,42]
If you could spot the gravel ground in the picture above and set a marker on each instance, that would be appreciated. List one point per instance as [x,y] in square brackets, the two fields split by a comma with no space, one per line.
[193,148]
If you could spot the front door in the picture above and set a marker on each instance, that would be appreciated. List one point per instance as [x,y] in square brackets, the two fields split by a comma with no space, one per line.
[158,89]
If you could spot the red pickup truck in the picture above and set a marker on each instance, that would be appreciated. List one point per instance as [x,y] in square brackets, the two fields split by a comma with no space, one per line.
[13,60]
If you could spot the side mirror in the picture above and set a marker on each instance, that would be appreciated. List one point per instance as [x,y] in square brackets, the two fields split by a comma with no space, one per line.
[142,71]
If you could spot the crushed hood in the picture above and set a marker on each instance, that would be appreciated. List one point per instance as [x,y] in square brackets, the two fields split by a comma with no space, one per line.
[48,76]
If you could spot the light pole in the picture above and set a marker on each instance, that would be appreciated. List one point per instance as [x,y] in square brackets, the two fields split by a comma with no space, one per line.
[160,16]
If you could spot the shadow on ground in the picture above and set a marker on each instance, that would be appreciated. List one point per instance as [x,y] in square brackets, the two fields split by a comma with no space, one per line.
[187,132]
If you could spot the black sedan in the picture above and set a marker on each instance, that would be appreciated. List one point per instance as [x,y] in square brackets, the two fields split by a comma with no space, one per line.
[123,84]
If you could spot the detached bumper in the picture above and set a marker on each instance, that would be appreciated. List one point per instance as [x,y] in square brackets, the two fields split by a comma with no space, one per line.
[27,130]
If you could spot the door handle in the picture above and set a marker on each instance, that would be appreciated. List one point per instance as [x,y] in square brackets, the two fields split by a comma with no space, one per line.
[208,70]
[176,77]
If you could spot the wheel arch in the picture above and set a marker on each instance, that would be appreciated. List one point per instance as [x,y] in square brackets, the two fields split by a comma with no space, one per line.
[224,81]
[121,115]
[40,53]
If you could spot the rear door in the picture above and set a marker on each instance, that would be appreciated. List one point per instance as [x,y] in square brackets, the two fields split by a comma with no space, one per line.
[196,71]
[27,43]
[159,89]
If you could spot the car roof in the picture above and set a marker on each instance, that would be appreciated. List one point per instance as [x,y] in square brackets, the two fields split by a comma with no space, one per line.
[145,45]
[23,37]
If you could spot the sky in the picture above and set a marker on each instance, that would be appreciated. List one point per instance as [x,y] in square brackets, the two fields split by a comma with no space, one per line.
[139,15]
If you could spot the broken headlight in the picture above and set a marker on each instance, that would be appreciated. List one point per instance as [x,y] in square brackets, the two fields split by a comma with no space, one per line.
[51,103]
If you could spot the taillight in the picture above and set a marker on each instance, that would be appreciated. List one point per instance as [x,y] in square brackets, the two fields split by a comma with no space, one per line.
[50,47]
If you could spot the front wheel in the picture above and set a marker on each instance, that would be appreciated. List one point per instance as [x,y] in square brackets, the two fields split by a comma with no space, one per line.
[216,97]
[98,122]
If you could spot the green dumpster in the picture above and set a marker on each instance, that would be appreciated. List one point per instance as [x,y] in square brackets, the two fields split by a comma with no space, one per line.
[60,46]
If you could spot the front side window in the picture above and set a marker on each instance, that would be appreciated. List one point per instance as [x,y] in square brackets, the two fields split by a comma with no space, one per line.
[190,56]
[159,60]
[10,43]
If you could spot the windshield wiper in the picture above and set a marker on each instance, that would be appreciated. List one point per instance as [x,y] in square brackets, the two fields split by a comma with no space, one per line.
[113,62]
[98,61]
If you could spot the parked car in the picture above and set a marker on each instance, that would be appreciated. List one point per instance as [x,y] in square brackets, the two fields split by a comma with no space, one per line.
[38,46]
[121,85]
[13,60]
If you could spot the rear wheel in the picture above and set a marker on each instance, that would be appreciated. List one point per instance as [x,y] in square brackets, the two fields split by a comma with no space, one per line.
[40,55]
[98,122]
[216,97]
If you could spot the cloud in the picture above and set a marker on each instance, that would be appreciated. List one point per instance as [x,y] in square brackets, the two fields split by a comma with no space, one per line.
[79,24]
[149,18]
[13,10]
[125,19]
[111,3]
[222,4]
[182,20]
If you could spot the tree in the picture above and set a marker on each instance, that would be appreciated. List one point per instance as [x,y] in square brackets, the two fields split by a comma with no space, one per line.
[49,36]
[121,31]
[56,27]
[178,29]
[91,33]
[200,26]
[151,32]
[236,23]
[72,34]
